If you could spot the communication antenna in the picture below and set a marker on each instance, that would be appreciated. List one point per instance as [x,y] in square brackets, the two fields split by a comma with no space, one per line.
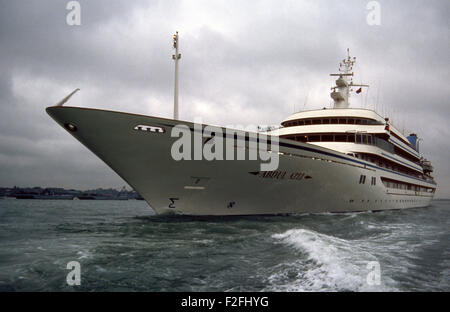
[306,99]
[367,96]
[176,57]
[378,93]
[341,91]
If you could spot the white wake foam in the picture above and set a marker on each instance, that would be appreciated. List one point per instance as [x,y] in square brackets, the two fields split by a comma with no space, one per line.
[325,263]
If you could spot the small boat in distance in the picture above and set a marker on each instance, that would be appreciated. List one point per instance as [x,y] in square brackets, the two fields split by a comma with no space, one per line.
[339,159]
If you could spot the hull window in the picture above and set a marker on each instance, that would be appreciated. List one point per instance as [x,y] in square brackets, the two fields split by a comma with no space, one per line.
[153,129]
[362,179]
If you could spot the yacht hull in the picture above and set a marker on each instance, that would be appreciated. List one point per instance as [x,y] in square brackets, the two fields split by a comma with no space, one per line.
[309,179]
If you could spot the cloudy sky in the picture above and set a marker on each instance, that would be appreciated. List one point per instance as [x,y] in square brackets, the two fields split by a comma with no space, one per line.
[243,62]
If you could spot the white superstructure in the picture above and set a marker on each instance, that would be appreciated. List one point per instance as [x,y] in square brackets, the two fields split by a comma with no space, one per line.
[361,133]
[330,160]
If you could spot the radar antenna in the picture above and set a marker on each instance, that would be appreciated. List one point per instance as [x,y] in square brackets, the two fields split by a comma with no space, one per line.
[341,92]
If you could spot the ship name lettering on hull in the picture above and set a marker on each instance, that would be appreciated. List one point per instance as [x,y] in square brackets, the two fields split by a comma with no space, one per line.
[280,175]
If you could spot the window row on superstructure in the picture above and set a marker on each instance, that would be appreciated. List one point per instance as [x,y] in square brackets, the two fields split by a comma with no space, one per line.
[402,140]
[341,137]
[406,186]
[389,164]
[406,155]
[367,139]
[325,121]
[358,138]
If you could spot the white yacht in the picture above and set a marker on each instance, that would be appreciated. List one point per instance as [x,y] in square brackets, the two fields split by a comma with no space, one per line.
[339,159]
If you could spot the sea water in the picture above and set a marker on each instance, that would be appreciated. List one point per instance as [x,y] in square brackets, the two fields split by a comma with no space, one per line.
[124,246]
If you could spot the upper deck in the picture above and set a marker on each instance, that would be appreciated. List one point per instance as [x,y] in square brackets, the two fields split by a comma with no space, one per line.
[343,120]
[348,113]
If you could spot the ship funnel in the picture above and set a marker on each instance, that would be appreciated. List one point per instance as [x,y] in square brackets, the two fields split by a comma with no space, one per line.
[412,138]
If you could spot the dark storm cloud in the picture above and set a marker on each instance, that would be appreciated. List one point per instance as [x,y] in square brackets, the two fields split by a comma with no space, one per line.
[239,59]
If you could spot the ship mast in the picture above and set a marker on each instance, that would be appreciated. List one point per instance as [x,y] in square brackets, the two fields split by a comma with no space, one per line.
[176,57]
[341,92]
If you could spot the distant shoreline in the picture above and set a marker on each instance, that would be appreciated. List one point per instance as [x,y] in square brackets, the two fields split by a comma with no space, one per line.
[38,192]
